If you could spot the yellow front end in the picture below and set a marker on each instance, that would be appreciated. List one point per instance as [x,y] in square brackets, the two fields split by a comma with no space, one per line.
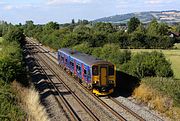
[103,79]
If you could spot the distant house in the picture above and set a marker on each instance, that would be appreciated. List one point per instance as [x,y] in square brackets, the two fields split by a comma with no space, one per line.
[174,34]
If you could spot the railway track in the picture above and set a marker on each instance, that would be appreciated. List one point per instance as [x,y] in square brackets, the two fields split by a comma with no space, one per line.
[113,111]
[118,117]
[73,115]
[126,108]
[112,99]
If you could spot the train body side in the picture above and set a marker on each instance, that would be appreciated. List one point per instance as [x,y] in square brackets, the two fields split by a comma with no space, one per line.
[96,74]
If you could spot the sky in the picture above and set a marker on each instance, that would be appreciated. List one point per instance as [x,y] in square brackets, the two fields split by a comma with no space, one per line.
[63,11]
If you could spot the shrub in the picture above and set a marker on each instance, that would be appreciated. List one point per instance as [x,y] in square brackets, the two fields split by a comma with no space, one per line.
[84,47]
[10,61]
[112,53]
[148,64]
[9,109]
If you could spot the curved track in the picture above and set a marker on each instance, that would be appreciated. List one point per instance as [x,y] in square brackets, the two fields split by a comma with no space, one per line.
[97,98]
[67,106]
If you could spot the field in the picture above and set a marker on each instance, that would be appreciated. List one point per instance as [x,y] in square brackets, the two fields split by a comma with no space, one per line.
[172,55]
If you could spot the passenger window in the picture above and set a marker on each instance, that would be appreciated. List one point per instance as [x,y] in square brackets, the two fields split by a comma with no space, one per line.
[95,70]
[72,64]
[66,60]
[111,70]
[85,72]
[62,59]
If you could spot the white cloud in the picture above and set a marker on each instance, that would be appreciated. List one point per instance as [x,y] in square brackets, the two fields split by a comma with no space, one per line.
[55,2]
[158,1]
[8,7]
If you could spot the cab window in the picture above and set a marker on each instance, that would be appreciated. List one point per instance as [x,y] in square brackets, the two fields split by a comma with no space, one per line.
[95,70]
[111,70]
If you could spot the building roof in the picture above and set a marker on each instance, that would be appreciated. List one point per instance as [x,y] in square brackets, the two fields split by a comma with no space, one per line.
[87,59]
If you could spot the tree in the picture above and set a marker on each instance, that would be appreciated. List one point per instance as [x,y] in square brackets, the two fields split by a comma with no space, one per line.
[153,27]
[105,27]
[178,28]
[73,21]
[15,34]
[51,26]
[163,29]
[133,24]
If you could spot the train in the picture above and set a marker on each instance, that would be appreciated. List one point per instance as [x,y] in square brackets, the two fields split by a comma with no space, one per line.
[96,74]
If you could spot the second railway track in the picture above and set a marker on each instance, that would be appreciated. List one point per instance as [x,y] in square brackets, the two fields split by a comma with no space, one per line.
[115,115]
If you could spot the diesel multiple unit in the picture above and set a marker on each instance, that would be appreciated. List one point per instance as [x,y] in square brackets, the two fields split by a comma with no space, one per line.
[96,74]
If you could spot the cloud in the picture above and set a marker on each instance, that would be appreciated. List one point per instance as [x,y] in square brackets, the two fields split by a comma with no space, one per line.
[158,1]
[55,2]
[121,3]
[8,7]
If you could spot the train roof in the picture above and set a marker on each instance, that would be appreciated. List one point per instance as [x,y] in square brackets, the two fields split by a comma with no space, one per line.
[87,59]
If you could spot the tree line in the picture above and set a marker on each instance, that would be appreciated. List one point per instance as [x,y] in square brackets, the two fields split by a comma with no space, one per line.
[151,36]
[106,41]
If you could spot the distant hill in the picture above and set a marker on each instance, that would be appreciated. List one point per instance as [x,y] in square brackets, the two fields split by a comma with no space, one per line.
[170,16]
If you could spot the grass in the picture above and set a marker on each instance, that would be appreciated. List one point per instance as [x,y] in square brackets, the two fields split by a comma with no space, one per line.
[177,46]
[31,103]
[157,101]
[9,108]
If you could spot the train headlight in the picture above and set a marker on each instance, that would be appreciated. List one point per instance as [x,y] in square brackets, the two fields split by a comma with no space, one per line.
[111,81]
[95,82]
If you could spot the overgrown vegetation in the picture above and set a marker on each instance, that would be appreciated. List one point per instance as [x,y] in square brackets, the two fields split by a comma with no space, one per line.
[148,64]
[11,68]
[109,42]
[161,94]
[11,64]
[9,111]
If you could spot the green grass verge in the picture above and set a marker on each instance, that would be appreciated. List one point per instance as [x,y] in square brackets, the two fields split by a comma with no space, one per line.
[9,110]
[177,46]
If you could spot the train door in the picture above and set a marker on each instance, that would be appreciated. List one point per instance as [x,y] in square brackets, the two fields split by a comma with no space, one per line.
[103,76]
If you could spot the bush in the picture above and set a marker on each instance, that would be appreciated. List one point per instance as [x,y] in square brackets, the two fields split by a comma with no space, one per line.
[148,64]
[14,34]
[10,61]
[9,109]
[84,47]
[112,53]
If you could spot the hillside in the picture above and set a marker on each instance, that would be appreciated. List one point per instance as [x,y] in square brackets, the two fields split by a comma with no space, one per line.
[171,16]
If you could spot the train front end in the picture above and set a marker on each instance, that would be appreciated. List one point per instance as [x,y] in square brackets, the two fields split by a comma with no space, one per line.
[103,78]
